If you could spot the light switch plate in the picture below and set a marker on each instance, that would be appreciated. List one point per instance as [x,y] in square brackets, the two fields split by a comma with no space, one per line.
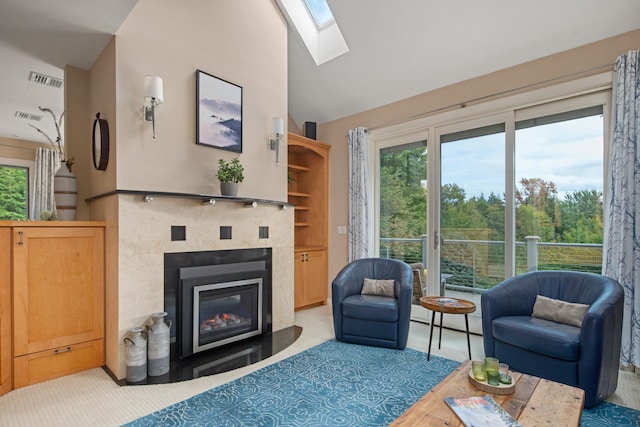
[342,229]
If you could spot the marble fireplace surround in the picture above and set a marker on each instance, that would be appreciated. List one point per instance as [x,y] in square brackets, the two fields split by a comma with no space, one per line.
[139,233]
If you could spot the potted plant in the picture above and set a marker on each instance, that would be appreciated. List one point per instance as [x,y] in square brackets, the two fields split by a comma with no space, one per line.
[229,175]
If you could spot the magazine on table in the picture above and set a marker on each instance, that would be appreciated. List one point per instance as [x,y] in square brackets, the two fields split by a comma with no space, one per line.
[481,411]
[450,302]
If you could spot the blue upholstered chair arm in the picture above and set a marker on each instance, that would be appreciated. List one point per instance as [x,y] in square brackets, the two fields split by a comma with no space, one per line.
[600,341]
[509,298]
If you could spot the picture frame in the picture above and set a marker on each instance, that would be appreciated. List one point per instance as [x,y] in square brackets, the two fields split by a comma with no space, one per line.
[218,113]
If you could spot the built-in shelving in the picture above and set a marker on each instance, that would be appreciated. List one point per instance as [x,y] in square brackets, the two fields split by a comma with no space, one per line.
[298,194]
[308,170]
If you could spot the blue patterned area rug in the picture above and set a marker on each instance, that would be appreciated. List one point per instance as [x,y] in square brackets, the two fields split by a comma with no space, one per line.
[609,415]
[334,384]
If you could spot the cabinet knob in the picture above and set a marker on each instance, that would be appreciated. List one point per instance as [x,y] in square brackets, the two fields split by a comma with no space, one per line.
[20,242]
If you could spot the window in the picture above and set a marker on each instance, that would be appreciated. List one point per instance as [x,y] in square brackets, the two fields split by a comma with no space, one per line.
[320,12]
[318,29]
[403,201]
[14,192]
[559,189]
[511,188]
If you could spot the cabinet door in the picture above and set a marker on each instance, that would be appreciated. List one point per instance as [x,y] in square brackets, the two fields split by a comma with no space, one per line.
[316,287]
[311,287]
[5,310]
[58,278]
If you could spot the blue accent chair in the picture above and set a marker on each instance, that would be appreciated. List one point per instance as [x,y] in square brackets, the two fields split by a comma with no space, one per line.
[586,357]
[372,319]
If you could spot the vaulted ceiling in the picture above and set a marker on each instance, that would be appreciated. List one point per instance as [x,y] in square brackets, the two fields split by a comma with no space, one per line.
[397,49]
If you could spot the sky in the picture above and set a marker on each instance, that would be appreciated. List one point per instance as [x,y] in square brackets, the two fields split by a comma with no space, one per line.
[569,154]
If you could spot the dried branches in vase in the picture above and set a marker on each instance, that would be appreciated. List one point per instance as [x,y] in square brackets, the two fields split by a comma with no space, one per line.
[57,145]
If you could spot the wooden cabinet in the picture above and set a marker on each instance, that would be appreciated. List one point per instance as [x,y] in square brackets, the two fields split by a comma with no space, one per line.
[308,169]
[57,285]
[311,278]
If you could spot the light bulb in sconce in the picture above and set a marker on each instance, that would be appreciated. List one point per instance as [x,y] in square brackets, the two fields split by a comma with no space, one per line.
[153,97]
[277,131]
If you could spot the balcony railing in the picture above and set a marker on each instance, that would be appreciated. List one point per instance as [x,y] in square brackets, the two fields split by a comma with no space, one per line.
[477,265]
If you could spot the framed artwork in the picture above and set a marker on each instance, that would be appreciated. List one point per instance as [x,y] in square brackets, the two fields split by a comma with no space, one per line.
[218,113]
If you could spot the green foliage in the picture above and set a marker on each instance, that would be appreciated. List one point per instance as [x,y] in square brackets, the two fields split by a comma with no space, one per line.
[13,193]
[230,171]
[403,199]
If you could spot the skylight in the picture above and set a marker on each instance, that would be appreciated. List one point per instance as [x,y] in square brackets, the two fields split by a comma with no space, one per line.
[320,12]
[315,24]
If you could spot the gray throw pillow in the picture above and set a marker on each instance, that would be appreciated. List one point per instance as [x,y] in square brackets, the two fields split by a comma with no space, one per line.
[559,311]
[378,287]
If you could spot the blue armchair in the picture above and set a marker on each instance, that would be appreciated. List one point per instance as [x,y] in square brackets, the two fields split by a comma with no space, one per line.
[375,320]
[585,356]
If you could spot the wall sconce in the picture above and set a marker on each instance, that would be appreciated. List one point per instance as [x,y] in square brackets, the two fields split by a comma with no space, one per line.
[153,97]
[277,131]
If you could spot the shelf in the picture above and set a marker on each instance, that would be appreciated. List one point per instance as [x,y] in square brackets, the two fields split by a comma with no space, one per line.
[302,224]
[302,208]
[298,168]
[148,196]
[297,194]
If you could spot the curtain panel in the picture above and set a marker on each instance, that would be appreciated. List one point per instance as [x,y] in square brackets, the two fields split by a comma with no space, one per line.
[358,142]
[622,221]
[46,165]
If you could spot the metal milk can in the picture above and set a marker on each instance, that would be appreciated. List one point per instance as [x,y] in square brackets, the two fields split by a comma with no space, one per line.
[136,359]
[158,349]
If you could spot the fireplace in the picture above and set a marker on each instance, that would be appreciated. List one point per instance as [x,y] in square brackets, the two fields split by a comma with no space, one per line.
[215,298]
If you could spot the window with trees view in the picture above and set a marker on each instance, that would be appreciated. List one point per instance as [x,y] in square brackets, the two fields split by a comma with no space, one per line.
[14,184]
[556,198]
[403,201]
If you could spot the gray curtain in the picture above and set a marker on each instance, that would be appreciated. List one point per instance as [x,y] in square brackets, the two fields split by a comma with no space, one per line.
[622,221]
[358,141]
[47,164]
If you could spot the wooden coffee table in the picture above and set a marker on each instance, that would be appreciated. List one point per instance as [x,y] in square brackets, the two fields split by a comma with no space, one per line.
[447,305]
[535,402]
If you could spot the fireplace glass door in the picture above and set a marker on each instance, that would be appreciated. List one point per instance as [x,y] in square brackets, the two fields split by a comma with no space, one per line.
[226,312]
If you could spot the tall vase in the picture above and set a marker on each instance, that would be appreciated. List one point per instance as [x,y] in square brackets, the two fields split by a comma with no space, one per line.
[65,191]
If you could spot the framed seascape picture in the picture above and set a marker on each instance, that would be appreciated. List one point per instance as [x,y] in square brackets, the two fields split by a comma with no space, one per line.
[218,113]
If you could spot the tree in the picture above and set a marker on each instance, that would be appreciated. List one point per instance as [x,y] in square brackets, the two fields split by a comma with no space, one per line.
[581,213]
[13,193]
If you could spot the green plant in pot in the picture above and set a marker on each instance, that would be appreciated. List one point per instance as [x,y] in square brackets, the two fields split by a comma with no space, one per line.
[230,174]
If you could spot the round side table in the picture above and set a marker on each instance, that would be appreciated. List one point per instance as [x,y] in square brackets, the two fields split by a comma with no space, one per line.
[447,305]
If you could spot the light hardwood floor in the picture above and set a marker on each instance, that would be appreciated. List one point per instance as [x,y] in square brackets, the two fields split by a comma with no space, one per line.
[92,398]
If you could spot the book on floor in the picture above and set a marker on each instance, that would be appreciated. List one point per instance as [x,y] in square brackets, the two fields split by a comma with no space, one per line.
[481,411]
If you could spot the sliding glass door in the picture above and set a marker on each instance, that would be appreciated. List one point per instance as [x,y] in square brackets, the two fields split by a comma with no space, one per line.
[472,209]
[497,196]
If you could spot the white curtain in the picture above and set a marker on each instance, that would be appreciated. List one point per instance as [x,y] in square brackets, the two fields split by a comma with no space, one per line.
[47,164]
[622,222]
[358,140]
